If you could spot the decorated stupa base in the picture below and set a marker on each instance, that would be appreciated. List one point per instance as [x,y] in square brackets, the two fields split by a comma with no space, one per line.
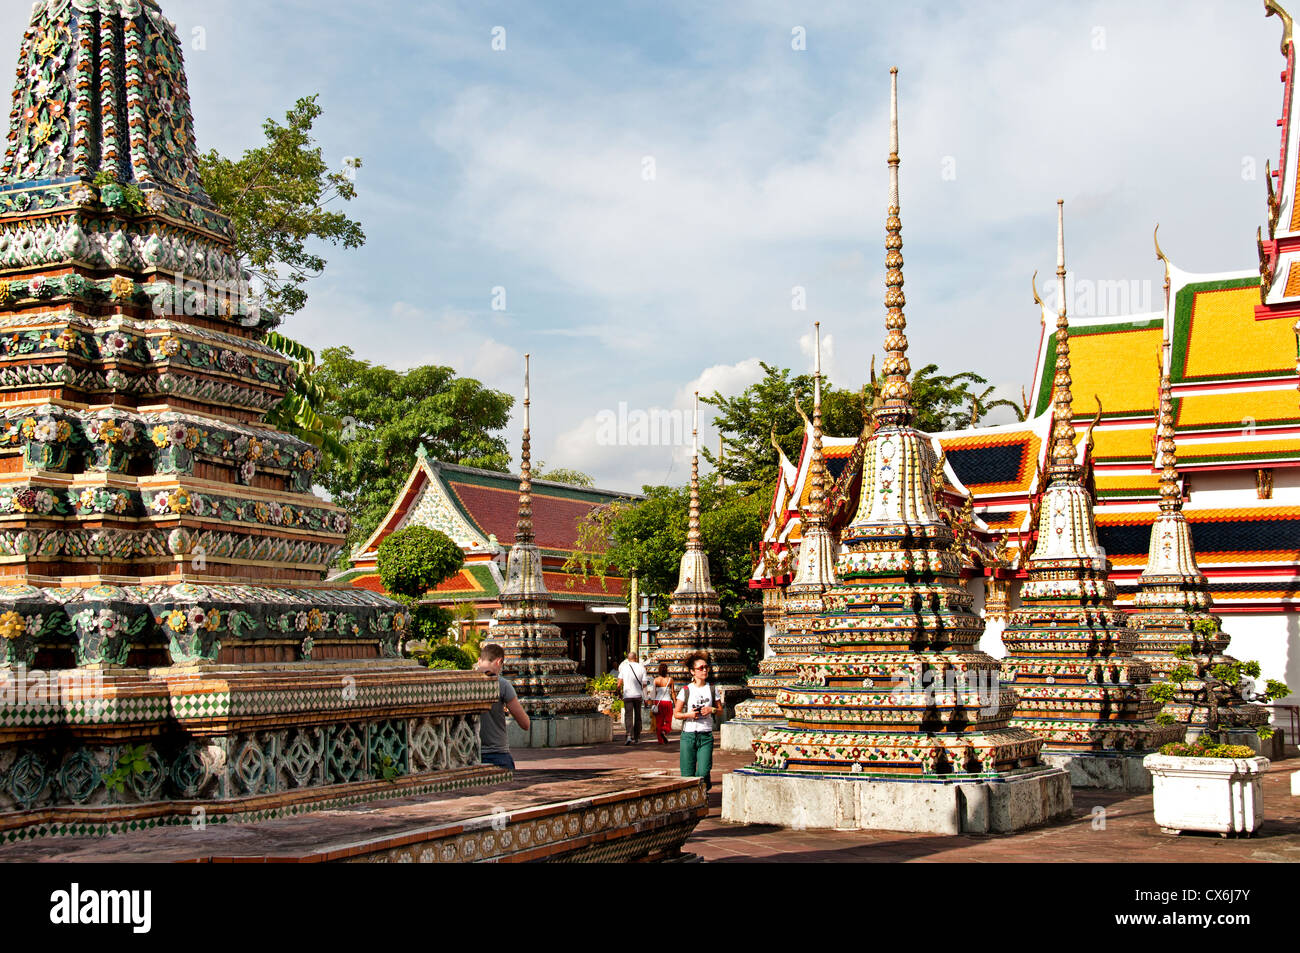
[761,712]
[1176,630]
[695,624]
[547,682]
[1070,659]
[166,639]
[89,752]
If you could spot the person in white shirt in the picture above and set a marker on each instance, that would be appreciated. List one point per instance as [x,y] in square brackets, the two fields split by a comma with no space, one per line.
[696,704]
[631,682]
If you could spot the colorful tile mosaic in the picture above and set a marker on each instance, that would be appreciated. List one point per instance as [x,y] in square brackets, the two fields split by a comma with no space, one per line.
[1070,655]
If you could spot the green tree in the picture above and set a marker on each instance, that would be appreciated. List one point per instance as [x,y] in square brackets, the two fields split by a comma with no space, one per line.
[412,561]
[275,196]
[388,415]
[749,420]
[562,475]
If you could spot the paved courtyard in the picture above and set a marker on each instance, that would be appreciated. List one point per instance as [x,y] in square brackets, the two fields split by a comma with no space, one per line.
[1126,832]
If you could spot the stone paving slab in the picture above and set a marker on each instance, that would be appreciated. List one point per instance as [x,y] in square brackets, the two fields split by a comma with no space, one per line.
[1123,829]
[541,815]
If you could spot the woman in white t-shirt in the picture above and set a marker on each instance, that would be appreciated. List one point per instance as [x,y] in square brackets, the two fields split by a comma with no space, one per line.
[696,704]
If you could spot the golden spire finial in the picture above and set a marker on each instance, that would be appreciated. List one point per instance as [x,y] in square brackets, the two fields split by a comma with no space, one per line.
[524,524]
[897,391]
[1171,496]
[1161,256]
[817,470]
[1064,463]
[1272,7]
[693,538]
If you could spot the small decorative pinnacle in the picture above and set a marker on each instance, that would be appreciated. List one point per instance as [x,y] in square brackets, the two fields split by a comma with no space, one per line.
[1063,461]
[817,471]
[693,538]
[897,391]
[524,526]
[1171,497]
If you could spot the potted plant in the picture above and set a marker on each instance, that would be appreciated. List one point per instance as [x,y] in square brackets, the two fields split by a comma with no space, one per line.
[604,688]
[1207,785]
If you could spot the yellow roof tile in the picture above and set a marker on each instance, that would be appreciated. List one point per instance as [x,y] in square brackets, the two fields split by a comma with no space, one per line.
[1237,409]
[1225,339]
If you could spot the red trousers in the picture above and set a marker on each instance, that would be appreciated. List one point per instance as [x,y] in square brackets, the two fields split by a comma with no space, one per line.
[663,720]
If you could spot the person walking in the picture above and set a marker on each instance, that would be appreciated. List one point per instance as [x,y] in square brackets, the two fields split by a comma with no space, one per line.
[492,726]
[696,704]
[631,682]
[663,703]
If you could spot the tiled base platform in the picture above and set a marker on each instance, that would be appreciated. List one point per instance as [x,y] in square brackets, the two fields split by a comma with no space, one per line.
[807,802]
[552,816]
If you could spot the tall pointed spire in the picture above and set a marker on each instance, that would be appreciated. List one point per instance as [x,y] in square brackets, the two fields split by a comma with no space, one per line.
[524,525]
[897,391]
[1063,460]
[693,539]
[817,471]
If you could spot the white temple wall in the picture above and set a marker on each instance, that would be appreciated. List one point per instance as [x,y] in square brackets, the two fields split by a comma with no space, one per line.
[1273,640]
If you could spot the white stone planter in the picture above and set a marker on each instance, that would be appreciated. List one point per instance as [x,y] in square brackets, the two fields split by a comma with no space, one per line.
[1220,795]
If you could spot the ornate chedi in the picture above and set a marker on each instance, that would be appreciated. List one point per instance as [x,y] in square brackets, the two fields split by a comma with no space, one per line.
[547,682]
[898,691]
[695,620]
[1069,652]
[1173,612]
[814,574]
[158,540]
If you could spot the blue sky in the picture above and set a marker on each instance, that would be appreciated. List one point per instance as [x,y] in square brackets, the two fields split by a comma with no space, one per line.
[523,169]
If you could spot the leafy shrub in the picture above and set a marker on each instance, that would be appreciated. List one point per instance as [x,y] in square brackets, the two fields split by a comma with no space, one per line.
[1205,748]
[449,652]
[606,684]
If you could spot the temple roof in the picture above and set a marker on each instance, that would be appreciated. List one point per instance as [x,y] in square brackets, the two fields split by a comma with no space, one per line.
[1233,373]
[473,506]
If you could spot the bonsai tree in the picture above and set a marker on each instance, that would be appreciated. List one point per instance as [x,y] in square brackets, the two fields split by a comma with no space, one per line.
[413,561]
[1216,683]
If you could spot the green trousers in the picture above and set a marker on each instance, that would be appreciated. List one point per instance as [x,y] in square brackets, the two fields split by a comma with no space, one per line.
[697,755]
